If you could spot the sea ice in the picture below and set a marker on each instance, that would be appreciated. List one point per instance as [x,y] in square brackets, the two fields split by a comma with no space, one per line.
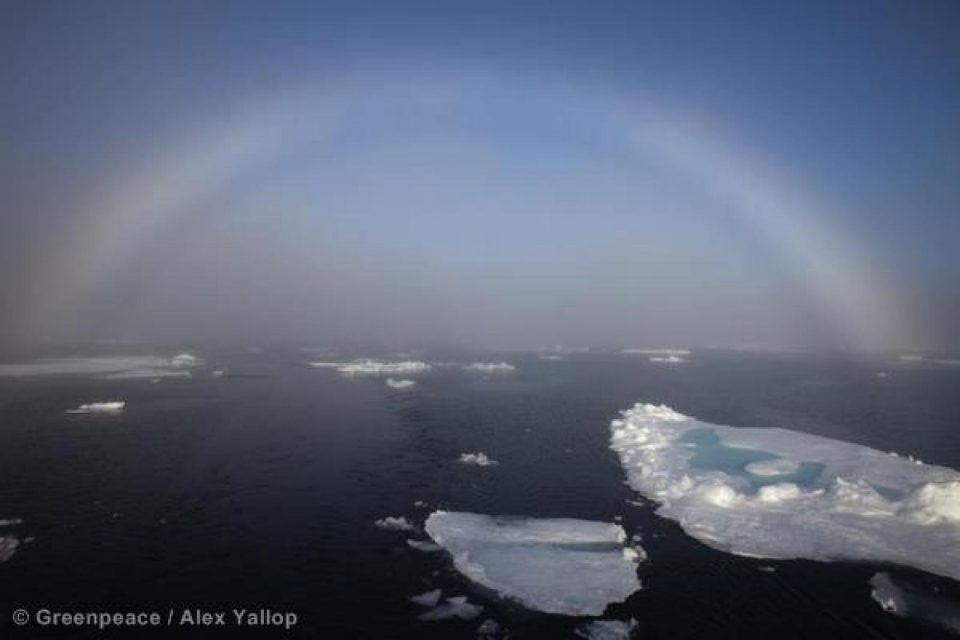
[8,543]
[479,459]
[656,352]
[424,545]
[394,383]
[606,629]
[832,500]
[100,407]
[391,523]
[490,367]
[557,565]
[671,359]
[114,366]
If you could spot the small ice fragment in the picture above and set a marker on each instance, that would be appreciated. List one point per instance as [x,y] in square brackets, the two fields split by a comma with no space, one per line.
[766,568]
[488,628]
[671,359]
[391,523]
[479,459]
[8,547]
[185,360]
[606,629]
[456,607]
[424,545]
[428,599]
[115,406]
[395,383]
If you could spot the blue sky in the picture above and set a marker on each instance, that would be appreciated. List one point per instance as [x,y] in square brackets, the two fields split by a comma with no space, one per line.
[481,146]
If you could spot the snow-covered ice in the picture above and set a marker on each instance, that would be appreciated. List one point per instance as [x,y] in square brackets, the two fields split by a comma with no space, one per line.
[424,545]
[479,459]
[556,565]
[114,406]
[490,367]
[392,523]
[828,500]
[606,629]
[401,383]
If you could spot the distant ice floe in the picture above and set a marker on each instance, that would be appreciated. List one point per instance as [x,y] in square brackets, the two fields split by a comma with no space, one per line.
[113,367]
[453,607]
[904,601]
[560,565]
[424,545]
[553,358]
[391,523]
[115,406]
[402,383]
[479,459]
[606,629]
[374,367]
[490,367]
[776,493]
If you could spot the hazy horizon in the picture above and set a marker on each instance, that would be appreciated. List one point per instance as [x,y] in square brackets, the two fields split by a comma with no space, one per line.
[645,175]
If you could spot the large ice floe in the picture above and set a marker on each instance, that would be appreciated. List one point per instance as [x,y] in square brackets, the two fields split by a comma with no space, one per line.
[776,493]
[557,565]
[109,366]
[374,367]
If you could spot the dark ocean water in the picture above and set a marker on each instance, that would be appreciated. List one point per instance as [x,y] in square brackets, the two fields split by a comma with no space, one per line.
[259,490]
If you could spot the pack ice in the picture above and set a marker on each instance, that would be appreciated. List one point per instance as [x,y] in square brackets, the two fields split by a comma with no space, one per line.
[561,565]
[776,493]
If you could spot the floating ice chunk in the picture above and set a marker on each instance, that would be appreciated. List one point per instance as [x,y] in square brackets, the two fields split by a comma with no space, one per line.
[374,367]
[488,628]
[394,383]
[562,565]
[835,501]
[424,545]
[9,543]
[427,599]
[218,373]
[391,523]
[553,358]
[490,367]
[479,459]
[606,629]
[671,359]
[455,607]
[115,406]
[905,601]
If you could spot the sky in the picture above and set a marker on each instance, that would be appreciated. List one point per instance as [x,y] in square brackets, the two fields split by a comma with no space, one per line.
[736,174]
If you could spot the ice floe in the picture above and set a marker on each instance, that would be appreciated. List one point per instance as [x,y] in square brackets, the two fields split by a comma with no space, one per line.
[374,367]
[109,366]
[671,359]
[606,629]
[831,500]
[488,629]
[556,565]
[490,367]
[115,406]
[656,352]
[401,383]
[479,459]
[392,523]
[905,601]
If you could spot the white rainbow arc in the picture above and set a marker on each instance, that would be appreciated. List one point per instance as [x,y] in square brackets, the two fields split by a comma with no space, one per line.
[789,218]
